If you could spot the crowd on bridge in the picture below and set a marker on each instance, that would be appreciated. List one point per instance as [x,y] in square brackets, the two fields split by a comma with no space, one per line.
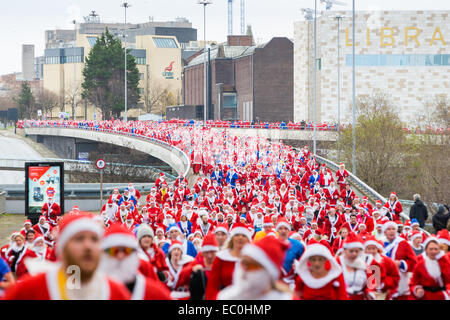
[258,220]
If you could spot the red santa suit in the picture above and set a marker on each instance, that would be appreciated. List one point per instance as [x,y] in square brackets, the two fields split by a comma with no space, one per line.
[149,289]
[433,276]
[51,210]
[18,264]
[400,250]
[341,176]
[394,208]
[221,274]
[47,286]
[332,226]
[332,195]
[330,287]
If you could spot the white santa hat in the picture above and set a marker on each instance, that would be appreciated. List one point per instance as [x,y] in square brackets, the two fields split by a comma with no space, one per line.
[118,236]
[388,224]
[71,224]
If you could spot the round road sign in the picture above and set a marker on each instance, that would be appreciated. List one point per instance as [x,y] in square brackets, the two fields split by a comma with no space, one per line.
[101,164]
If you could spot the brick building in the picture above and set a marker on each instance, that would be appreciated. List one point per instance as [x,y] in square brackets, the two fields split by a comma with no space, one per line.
[248,82]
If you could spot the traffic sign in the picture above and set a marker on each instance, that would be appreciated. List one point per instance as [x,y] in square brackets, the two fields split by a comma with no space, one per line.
[101,164]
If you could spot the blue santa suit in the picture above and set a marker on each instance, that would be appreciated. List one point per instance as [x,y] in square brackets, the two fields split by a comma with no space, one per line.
[313,181]
[188,247]
[218,177]
[294,252]
[231,179]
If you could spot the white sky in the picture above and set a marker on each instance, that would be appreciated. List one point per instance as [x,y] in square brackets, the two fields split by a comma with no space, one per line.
[25,21]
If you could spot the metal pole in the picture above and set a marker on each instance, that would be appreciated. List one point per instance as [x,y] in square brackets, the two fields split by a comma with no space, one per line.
[353,92]
[74,72]
[315,84]
[125,5]
[101,189]
[339,87]
[204,65]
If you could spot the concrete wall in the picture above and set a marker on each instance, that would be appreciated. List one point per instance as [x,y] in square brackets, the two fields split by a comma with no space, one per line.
[161,152]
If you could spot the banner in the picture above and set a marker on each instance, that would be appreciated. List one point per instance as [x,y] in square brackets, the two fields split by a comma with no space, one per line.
[43,179]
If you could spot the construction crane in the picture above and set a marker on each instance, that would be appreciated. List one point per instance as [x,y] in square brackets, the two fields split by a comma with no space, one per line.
[230,17]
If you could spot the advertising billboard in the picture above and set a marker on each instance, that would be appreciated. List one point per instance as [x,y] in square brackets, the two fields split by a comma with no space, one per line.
[43,179]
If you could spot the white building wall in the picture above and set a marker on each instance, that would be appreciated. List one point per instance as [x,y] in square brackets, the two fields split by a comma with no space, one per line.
[410,87]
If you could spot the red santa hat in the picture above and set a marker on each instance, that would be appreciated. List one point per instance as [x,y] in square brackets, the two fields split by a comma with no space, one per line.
[110,201]
[353,241]
[240,228]
[118,235]
[389,223]
[71,224]
[197,230]
[378,202]
[161,174]
[372,241]
[282,222]
[269,252]
[130,216]
[159,229]
[209,243]
[221,227]
[430,239]
[267,222]
[416,234]
[37,239]
[444,237]
[175,244]
[393,194]
[28,221]
[315,248]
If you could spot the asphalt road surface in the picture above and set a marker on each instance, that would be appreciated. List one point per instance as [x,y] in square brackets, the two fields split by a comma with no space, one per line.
[14,148]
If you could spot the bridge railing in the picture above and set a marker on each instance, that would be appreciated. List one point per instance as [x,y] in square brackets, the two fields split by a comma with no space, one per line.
[361,186]
[183,156]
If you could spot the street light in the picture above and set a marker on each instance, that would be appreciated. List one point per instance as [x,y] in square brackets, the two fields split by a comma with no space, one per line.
[353,91]
[329,4]
[205,74]
[74,70]
[125,5]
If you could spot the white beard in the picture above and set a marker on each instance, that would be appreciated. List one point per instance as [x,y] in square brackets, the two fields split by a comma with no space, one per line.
[120,270]
[432,267]
[39,250]
[251,284]
[15,247]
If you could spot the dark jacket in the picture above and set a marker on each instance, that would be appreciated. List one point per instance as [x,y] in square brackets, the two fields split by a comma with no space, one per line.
[419,211]
[440,219]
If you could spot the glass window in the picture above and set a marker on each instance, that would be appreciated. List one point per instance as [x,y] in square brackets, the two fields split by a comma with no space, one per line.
[229,100]
[165,43]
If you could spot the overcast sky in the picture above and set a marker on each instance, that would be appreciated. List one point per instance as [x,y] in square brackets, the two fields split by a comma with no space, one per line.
[24,21]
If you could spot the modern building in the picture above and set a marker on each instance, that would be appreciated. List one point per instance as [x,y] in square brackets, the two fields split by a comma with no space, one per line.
[248,82]
[405,54]
[158,60]
[28,70]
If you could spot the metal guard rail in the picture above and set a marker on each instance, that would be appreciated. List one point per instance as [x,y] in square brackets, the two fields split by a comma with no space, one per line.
[363,187]
[179,152]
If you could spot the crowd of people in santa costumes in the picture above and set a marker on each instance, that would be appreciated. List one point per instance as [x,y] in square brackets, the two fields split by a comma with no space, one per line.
[261,220]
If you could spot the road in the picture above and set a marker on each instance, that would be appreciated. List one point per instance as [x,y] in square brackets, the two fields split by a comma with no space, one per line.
[14,148]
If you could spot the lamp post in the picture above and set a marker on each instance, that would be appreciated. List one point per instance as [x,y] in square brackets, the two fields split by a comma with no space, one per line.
[74,71]
[353,92]
[338,18]
[205,73]
[125,5]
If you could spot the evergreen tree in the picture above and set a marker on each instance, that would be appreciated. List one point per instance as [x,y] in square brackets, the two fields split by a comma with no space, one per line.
[25,102]
[104,76]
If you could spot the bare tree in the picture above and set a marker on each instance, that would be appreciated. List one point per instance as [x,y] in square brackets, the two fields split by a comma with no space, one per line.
[47,101]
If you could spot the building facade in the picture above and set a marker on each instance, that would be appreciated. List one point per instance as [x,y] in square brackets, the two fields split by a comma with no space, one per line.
[248,82]
[405,54]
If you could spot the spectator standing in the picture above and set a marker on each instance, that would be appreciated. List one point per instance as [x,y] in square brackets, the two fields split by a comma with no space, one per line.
[440,219]
[419,211]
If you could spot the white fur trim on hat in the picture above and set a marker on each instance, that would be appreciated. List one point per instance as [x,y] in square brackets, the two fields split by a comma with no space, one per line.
[281,224]
[174,246]
[241,230]
[419,234]
[119,240]
[444,241]
[373,243]
[223,229]
[209,248]
[82,224]
[353,245]
[261,257]
[428,240]
[389,224]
